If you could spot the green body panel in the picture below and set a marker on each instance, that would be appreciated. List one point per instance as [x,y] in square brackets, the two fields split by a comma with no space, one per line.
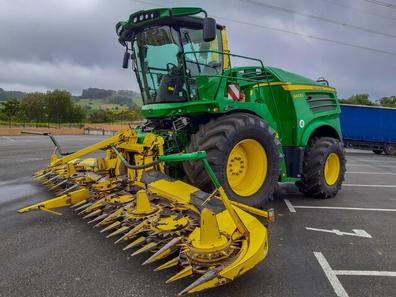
[282,109]
[283,75]
[294,106]
[330,121]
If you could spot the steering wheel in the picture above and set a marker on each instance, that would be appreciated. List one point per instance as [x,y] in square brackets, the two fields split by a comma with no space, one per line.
[169,66]
[213,64]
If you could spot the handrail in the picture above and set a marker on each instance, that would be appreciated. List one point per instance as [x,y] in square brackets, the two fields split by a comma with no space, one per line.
[222,76]
[228,54]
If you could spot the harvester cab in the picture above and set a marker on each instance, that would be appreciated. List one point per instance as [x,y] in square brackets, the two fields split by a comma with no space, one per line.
[170,48]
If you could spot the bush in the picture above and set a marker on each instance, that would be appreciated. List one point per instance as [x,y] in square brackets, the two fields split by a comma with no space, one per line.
[101,116]
[359,99]
[54,106]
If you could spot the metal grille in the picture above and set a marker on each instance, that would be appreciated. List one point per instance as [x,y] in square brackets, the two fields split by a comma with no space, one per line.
[321,102]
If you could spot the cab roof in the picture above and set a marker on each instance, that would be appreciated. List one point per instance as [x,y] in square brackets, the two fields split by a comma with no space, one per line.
[183,16]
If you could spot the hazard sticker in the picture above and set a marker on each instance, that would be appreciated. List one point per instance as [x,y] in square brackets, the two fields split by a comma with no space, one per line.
[233,92]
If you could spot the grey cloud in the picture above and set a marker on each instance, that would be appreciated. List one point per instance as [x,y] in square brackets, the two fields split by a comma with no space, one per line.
[72,44]
[63,75]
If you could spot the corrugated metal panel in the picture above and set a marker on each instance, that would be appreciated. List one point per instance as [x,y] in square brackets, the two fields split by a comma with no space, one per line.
[368,123]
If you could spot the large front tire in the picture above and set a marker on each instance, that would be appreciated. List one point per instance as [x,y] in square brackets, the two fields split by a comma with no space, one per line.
[323,168]
[244,154]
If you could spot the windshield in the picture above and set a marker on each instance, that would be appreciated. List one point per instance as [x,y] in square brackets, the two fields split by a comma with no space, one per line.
[201,56]
[159,68]
[160,62]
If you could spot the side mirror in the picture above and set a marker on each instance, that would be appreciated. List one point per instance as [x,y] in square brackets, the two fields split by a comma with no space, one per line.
[125,61]
[209,29]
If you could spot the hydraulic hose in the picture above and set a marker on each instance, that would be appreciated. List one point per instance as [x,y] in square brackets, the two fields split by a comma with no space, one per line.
[130,166]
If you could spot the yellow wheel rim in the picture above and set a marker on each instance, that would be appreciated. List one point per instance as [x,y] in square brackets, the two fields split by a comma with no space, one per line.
[247,166]
[332,169]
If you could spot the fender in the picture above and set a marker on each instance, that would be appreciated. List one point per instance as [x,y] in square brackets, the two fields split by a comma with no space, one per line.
[329,126]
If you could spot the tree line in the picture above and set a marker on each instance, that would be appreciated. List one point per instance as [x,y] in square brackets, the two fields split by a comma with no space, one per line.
[58,107]
[364,99]
[54,106]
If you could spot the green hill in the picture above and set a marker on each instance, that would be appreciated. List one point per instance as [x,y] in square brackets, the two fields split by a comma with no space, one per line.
[92,98]
[4,95]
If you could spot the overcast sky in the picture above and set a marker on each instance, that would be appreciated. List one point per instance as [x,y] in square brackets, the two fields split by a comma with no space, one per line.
[71,44]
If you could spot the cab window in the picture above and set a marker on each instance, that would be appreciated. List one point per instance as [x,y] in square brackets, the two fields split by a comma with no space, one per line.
[200,60]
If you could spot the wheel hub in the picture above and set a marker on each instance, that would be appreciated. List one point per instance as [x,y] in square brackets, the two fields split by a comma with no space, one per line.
[332,169]
[246,168]
[237,165]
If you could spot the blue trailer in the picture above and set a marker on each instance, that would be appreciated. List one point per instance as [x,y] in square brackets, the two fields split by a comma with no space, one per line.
[369,127]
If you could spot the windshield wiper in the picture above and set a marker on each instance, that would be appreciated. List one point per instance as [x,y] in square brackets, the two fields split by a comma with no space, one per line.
[187,36]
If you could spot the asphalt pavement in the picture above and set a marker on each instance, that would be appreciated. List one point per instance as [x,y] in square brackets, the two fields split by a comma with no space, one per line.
[345,246]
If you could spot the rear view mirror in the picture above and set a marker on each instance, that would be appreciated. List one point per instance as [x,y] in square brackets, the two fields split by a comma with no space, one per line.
[125,61]
[209,29]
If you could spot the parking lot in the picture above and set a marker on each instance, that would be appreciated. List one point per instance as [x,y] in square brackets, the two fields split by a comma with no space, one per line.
[345,246]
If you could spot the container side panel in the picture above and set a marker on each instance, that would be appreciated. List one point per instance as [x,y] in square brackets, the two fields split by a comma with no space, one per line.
[368,123]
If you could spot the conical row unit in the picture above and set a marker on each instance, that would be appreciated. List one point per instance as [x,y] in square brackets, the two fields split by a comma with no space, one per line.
[127,196]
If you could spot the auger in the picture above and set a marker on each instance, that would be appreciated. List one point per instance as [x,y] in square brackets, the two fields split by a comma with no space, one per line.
[204,234]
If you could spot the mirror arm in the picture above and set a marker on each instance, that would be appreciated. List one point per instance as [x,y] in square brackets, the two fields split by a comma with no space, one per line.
[127,56]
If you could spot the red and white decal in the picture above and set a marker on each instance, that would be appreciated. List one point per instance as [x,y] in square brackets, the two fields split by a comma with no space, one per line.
[233,92]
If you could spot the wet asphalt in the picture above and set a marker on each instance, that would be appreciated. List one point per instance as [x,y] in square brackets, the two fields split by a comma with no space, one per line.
[46,255]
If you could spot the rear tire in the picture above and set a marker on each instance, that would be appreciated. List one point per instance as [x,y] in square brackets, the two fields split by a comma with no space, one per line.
[390,149]
[323,168]
[244,154]
[378,152]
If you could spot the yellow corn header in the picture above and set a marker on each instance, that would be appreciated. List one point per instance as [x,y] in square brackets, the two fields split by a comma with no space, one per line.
[127,194]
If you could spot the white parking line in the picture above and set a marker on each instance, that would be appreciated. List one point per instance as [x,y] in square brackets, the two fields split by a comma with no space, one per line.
[356,232]
[9,139]
[372,165]
[370,186]
[289,205]
[335,282]
[331,276]
[292,208]
[373,161]
[365,273]
[370,173]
